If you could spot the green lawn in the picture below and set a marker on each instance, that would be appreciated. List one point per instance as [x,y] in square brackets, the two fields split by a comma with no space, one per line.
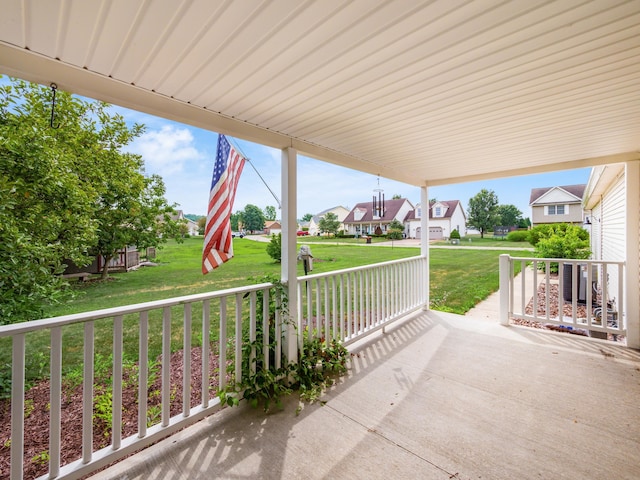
[488,241]
[460,278]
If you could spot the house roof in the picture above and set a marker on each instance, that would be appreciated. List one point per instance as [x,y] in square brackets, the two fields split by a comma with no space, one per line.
[317,216]
[573,190]
[451,204]
[426,93]
[391,209]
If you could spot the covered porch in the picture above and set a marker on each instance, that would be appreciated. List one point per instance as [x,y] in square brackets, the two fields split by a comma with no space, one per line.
[438,396]
[427,93]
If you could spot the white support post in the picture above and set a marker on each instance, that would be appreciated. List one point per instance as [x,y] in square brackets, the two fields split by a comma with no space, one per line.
[424,242]
[505,284]
[289,271]
[632,266]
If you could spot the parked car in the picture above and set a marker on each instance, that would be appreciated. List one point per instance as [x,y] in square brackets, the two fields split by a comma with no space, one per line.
[237,234]
[302,233]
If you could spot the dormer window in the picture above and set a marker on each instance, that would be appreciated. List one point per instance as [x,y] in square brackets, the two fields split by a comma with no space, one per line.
[438,212]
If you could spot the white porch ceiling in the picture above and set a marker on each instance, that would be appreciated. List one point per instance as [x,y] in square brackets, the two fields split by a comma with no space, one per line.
[423,92]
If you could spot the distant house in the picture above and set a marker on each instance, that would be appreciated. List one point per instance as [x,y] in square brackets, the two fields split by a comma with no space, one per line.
[272,227]
[444,216]
[363,220]
[339,211]
[192,227]
[557,205]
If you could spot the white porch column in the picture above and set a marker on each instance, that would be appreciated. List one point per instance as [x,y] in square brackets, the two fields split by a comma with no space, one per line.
[632,266]
[289,272]
[424,241]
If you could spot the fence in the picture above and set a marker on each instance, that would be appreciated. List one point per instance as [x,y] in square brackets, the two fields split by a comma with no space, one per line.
[343,305]
[577,296]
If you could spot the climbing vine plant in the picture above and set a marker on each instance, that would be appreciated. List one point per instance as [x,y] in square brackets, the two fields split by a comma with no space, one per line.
[261,382]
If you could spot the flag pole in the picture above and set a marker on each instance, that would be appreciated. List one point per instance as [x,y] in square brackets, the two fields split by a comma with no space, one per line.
[235,144]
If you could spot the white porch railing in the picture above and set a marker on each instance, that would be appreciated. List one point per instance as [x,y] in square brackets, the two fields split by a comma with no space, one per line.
[235,309]
[342,305]
[348,304]
[585,296]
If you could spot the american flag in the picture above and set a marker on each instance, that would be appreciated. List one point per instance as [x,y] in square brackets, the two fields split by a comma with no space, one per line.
[218,245]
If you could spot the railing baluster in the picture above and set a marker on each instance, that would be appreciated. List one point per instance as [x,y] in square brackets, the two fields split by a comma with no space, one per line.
[318,310]
[342,310]
[252,331]
[575,271]
[361,306]
[238,340]
[206,351]
[547,289]
[278,338]
[186,362]
[265,329]
[166,365]
[621,314]
[116,382]
[222,345]
[17,405]
[55,401]
[87,393]
[349,306]
[327,317]
[143,372]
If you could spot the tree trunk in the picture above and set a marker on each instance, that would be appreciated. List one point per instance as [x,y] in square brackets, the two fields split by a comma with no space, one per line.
[105,267]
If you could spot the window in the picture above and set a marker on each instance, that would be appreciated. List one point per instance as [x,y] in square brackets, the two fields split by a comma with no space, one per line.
[556,210]
[438,212]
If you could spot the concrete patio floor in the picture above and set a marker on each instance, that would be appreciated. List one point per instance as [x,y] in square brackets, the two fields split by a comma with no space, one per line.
[438,396]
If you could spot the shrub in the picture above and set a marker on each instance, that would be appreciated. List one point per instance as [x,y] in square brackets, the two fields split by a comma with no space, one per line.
[518,236]
[455,234]
[394,234]
[561,229]
[274,248]
[564,241]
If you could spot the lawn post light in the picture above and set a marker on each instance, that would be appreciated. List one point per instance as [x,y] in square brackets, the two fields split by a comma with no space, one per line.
[306,257]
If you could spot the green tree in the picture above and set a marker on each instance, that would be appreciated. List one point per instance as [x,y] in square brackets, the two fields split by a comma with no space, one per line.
[236,221]
[202,222]
[270,212]
[274,247]
[329,223]
[252,218]
[510,216]
[54,183]
[306,217]
[395,230]
[483,211]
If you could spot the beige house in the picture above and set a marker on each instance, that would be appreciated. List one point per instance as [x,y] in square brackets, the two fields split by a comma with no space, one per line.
[557,205]
[339,211]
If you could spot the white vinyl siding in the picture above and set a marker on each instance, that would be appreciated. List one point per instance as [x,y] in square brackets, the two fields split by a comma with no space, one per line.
[613,227]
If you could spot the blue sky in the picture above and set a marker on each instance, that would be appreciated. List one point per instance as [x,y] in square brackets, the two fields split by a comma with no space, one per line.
[184,155]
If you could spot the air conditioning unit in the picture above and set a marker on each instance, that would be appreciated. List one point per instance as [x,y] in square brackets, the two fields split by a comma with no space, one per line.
[567,281]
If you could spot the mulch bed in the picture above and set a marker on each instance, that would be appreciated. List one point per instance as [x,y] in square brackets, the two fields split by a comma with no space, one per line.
[554,312]
[36,428]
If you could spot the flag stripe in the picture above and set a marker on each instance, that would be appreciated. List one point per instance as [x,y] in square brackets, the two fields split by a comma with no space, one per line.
[218,243]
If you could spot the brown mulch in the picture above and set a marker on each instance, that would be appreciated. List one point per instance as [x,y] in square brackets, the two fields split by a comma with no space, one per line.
[36,424]
[554,312]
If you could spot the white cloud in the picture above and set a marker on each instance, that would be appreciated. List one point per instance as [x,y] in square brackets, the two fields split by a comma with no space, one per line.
[166,151]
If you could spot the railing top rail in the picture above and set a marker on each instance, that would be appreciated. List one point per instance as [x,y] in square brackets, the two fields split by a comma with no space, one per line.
[314,276]
[25,327]
[568,260]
